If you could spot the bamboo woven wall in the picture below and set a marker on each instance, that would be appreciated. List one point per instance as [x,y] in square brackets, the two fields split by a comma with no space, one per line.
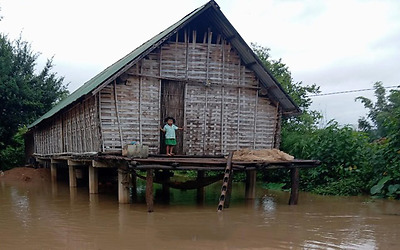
[75,130]
[224,114]
[223,109]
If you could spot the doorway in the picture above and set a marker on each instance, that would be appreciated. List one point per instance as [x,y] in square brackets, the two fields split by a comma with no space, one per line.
[172,105]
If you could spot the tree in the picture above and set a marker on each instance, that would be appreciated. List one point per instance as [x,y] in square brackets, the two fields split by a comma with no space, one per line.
[379,115]
[299,92]
[24,94]
[382,124]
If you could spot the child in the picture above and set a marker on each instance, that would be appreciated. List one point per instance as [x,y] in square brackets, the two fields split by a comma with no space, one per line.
[170,137]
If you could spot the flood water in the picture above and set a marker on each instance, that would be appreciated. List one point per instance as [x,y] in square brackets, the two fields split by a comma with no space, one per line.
[55,217]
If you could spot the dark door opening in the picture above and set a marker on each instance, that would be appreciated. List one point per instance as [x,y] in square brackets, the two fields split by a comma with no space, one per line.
[172,105]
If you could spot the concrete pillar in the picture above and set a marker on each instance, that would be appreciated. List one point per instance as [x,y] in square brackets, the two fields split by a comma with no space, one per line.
[93,180]
[72,176]
[53,171]
[134,186]
[251,184]
[123,186]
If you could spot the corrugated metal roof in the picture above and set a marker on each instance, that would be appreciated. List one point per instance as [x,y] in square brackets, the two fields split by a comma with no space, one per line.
[221,22]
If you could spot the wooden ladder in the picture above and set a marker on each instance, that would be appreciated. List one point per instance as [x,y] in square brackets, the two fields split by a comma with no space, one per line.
[226,185]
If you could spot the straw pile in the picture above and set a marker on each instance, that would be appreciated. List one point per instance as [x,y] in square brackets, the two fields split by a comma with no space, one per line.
[265,155]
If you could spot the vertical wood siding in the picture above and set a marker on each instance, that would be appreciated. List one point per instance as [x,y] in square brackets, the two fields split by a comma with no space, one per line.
[76,130]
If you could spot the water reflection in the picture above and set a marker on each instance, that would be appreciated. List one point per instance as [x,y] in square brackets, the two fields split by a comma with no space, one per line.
[20,206]
[57,217]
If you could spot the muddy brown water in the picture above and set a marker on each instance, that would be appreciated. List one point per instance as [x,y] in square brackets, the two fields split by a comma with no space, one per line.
[54,217]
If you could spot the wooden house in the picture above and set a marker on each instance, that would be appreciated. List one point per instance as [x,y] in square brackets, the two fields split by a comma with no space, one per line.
[199,71]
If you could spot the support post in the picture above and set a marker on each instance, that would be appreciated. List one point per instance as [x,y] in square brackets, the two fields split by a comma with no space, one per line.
[93,180]
[200,191]
[149,191]
[294,193]
[123,186]
[72,176]
[165,176]
[53,171]
[134,186]
[251,176]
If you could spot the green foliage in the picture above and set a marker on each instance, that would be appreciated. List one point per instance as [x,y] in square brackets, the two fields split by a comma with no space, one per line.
[24,94]
[353,162]
[344,154]
[299,92]
[378,188]
[13,154]
[379,113]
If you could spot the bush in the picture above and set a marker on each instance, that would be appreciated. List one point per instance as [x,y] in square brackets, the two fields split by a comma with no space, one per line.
[14,154]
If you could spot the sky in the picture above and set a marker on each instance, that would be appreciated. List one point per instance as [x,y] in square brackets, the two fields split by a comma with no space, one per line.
[338,45]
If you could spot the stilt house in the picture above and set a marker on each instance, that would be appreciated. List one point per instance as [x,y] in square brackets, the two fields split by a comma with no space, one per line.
[199,71]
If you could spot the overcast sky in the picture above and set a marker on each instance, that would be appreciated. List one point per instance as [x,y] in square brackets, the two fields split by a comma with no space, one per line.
[338,45]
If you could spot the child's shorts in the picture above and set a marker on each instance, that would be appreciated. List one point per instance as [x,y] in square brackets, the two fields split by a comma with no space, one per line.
[170,142]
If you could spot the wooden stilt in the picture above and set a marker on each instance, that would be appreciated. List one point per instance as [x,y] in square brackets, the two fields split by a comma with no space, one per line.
[294,193]
[200,191]
[165,176]
[72,176]
[53,171]
[149,191]
[93,180]
[123,186]
[250,184]
[134,186]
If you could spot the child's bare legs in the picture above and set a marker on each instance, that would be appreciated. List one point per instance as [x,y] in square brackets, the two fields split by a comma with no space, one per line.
[168,149]
[171,149]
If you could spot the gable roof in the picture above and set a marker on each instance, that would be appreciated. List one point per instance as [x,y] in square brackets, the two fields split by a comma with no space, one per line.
[225,27]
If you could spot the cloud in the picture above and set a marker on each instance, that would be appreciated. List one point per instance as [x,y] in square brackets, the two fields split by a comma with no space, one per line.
[338,45]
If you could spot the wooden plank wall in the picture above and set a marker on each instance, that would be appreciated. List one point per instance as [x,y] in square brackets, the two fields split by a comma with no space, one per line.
[223,110]
[75,130]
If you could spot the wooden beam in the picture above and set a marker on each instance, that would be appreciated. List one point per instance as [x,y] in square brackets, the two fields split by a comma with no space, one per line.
[205,120]
[294,193]
[57,161]
[140,108]
[193,81]
[100,122]
[222,95]
[99,164]
[117,113]
[76,162]
[149,191]
[255,121]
